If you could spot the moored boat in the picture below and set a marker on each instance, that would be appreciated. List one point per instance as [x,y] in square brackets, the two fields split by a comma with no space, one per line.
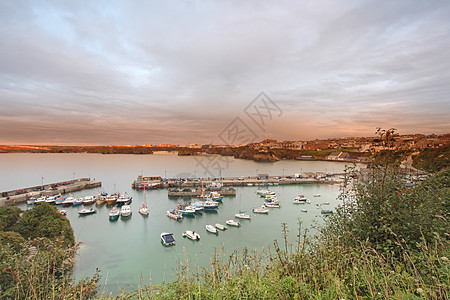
[174,214]
[233,223]
[143,210]
[77,201]
[40,200]
[272,205]
[63,212]
[260,210]
[316,195]
[326,211]
[167,239]
[111,199]
[191,235]
[211,229]
[220,226]
[123,199]
[86,211]
[68,201]
[50,199]
[242,215]
[114,214]
[88,200]
[125,211]
[208,204]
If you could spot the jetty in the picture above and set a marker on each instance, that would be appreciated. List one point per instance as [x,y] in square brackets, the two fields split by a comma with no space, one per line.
[12,197]
[186,192]
[153,182]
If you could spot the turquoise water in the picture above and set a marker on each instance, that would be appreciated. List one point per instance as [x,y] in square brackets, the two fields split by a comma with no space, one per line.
[127,251]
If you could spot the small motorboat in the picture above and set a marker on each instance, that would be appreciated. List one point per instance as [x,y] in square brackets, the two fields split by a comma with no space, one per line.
[88,200]
[123,200]
[272,199]
[272,205]
[167,239]
[143,210]
[208,204]
[114,214]
[125,211]
[111,199]
[191,235]
[326,203]
[86,211]
[77,202]
[326,211]
[221,227]
[63,212]
[50,200]
[68,201]
[187,210]
[316,195]
[260,210]
[304,210]
[59,200]
[241,215]
[174,214]
[211,229]
[40,200]
[233,223]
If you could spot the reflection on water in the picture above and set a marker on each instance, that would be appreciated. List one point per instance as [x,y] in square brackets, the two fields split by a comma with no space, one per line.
[127,250]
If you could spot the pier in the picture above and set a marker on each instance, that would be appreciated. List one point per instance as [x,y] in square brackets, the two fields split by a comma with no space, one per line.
[150,182]
[12,197]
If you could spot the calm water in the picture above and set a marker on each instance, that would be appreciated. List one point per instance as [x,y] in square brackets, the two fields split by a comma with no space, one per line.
[128,250]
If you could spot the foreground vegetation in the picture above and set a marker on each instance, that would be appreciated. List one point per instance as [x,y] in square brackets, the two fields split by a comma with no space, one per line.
[37,251]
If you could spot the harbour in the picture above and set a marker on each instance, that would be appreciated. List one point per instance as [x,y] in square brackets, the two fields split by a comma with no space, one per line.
[130,248]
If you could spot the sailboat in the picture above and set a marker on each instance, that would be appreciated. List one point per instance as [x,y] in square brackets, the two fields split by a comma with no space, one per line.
[144,209]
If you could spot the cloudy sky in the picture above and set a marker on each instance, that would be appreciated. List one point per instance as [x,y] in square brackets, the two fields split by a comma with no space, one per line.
[138,72]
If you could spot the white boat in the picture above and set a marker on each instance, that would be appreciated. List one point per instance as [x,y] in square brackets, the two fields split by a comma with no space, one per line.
[143,210]
[191,235]
[68,201]
[123,199]
[167,239]
[208,204]
[242,216]
[40,200]
[220,226]
[86,211]
[125,211]
[211,229]
[260,210]
[88,200]
[316,195]
[174,214]
[304,210]
[301,199]
[272,205]
[50,199]
[326,203]
[233,223]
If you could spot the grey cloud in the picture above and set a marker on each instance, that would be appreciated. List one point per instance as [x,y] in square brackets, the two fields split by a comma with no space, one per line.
[102,71]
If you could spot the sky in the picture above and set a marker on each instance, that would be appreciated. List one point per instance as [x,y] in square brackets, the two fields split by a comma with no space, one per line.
[150,72]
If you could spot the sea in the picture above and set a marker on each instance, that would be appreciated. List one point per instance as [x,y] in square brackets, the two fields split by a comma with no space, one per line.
[129,252]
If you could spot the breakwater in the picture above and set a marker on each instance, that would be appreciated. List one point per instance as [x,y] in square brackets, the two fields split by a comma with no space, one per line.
[23,194]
